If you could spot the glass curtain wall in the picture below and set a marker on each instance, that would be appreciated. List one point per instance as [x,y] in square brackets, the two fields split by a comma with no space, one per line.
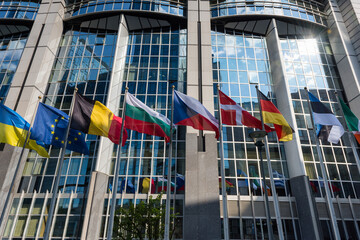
[240,61]
[19,9]
[309,62]
[11,49]
[84,59]
[155,60]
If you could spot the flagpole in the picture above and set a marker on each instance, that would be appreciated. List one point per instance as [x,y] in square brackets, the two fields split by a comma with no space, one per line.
[323,172]
[18,163]
[222,168]
[267,207]
[353,146]
[58,173]
[116,171]
[272,183]
[168,189]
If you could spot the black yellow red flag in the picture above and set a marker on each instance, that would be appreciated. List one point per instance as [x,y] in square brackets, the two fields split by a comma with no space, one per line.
[272,115]
[92,117]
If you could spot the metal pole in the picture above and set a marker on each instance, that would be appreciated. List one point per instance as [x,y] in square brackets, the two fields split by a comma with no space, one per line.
[58,174]
[222,170]
[323,172]
[168,189]
[274,193]
[351,137]
[260,144]
[18,164]
[116,171]
[272,183]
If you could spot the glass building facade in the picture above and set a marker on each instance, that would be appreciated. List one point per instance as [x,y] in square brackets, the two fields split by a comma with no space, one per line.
[102,47]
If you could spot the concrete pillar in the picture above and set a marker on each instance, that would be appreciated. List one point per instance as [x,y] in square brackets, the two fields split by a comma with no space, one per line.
[202,210]
[94,206]
[309,223]
[113,97]
[31,78]
[345,56]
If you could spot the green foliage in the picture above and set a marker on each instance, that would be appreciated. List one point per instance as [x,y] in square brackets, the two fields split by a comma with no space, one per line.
[145,220]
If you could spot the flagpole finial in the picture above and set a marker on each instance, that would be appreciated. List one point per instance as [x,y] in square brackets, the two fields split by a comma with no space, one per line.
[305,88]
[126,88]
[336,93]
[256,86]
[39,97]
[218,86]
[173,86]
[76,89]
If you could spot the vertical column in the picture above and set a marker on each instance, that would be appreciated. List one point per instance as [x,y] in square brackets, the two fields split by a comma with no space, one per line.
[99,181]
[114,92]
[31,78]
[202,209]
[345,56]
[310,225]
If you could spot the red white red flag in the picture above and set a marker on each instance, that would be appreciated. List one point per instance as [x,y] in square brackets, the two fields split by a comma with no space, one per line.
[234,114]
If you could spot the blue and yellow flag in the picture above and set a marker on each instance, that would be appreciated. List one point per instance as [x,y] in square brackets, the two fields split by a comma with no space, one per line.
[13,131]
[50,127]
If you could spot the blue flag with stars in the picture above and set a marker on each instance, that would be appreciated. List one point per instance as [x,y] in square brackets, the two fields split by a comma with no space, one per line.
[50,128]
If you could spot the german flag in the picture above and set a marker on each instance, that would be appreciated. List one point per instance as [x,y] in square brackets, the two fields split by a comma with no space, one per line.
[92,117]
[272,115]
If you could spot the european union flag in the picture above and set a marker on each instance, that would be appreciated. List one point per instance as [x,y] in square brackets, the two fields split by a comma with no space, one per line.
[50,128]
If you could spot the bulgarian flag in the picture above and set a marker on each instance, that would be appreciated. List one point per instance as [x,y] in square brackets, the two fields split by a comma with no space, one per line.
[141,118]
[352,121]
[272,115]
[233,114]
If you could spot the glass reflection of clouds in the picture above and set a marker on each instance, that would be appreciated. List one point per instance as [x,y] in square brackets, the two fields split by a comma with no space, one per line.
[306,10]
[11,49]
[309,62]
[177,7]
[19,9]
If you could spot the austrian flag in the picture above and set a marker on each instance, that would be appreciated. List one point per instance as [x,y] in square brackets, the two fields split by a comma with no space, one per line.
[234,114]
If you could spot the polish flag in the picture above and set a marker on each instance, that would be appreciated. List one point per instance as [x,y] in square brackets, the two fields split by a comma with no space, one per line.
[234,114]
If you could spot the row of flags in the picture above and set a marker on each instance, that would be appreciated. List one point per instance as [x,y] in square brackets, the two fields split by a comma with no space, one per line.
[156,184]
[92,117]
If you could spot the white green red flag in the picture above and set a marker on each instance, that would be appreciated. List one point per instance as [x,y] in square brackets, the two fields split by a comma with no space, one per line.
[352,121]
[141,118]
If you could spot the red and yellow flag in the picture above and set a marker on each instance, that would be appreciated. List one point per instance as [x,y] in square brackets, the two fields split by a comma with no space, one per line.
[272,115]
[92,117]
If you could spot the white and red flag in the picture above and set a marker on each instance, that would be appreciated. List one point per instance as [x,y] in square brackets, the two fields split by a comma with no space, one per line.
[233,114]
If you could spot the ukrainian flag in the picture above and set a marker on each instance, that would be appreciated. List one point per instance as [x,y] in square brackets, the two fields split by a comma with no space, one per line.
[13,131]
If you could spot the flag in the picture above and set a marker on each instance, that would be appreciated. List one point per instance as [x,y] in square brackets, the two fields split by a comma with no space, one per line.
[227,184]
[272,115]
[242,183]
[141,118]
[130,188]
[332,186]
[190,112]
[180,182]
[50,127]
[234,114]
[256,183]
[92,117]
[328,127]
[13,131]
[245,183]
[162,184]
[146,185]
[279,183]
[352,121]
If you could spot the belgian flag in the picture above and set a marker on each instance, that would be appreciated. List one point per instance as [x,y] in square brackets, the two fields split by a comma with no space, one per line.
[92,117]
[272,115]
